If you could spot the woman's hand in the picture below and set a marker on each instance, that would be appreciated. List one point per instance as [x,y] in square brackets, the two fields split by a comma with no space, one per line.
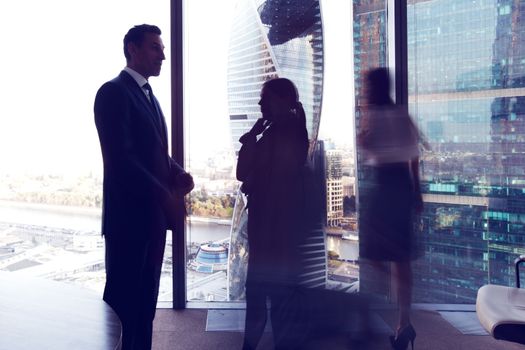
[259,126]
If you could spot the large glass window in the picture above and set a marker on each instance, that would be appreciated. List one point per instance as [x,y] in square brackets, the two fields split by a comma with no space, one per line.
[56,55]
[226,65]
[467,93]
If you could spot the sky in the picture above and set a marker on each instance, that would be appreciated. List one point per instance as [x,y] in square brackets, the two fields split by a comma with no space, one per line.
[57,53]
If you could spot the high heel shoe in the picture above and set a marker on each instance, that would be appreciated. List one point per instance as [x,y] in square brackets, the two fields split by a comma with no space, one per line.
[407,335]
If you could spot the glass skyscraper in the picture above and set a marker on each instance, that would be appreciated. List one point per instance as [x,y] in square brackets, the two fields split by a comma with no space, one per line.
[269,39]
[370,50]
[334,187]
[466,88]
[370,40]
[466,71]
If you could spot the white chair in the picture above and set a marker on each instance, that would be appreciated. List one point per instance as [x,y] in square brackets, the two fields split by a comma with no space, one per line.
[501,309]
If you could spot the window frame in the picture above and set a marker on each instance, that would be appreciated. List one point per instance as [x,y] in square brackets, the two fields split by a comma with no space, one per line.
[397,58]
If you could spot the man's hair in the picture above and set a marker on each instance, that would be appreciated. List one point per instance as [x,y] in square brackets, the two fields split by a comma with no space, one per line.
[136,35]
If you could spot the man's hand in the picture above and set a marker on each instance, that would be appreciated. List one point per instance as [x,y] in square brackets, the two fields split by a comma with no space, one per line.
[183,184]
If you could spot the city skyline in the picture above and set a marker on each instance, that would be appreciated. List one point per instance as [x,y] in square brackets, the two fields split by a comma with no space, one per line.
[50,142]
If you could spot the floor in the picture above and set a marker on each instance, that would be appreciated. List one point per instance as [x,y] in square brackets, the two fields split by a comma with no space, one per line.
[186,329]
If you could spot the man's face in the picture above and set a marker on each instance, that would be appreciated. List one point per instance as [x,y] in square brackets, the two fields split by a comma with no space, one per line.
[147,57]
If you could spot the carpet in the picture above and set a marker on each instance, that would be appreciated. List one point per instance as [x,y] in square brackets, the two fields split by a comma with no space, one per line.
[232,320]
[464,321]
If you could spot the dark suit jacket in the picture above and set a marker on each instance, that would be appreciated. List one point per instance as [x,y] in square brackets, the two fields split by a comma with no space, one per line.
[138,171]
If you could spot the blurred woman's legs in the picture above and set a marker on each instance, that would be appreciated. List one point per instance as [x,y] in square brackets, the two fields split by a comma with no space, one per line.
[402,273]
[405,333]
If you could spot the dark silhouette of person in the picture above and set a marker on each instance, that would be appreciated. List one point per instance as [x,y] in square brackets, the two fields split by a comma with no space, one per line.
[270,167]
[389,142]
[141,185]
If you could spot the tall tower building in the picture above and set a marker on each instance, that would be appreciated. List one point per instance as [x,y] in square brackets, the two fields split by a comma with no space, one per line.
[274,38]
[334,187]
[269,39]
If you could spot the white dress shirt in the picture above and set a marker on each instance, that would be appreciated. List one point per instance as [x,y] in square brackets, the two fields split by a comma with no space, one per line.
[139,79]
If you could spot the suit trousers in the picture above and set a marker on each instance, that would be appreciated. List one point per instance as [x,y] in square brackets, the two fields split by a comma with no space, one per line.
[133,268]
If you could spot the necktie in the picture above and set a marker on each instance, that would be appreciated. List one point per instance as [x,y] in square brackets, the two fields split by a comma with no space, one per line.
[147,86]
[158,118]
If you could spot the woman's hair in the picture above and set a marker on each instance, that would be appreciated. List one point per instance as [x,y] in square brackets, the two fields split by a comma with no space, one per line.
[283,88]
[378,86]
[286,89]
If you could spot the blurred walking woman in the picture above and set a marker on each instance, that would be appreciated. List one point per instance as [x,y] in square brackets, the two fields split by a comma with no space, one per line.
[270,168]
[389,142]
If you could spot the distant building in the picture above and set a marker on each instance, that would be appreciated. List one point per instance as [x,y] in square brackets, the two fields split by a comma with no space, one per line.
[87,242]
[211,258]
[348,186]
[271,39]
[334,187]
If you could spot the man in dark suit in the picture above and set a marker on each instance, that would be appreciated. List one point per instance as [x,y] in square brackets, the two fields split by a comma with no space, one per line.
[141,183]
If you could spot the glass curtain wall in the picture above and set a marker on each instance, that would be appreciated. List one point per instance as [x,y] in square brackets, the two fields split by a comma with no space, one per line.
[246,43]
[370,32]
[467,92]
[55,58]
[466,63]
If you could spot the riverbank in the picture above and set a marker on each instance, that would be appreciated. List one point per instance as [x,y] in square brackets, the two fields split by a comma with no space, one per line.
[343,234]
[95,213]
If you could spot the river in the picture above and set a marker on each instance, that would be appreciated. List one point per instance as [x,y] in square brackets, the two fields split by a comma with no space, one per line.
[88,219]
